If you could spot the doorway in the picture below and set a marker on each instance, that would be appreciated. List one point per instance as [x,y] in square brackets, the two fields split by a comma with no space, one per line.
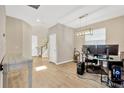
[34,45]
[52,48]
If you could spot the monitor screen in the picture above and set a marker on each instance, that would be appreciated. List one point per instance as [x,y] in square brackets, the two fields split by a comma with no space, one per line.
[113,49]
[92,49]
[101,49]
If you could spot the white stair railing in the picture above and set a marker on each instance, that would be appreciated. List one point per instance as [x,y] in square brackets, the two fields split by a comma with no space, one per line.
[43,49]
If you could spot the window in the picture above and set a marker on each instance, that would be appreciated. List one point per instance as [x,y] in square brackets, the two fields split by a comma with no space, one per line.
[98,37]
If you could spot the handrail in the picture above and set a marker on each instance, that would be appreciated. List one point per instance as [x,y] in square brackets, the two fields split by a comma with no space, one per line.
[44,46]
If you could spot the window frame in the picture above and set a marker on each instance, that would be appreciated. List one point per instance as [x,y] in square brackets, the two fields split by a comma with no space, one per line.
[105,37]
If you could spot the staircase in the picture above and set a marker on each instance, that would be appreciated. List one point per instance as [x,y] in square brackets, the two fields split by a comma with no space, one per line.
[43,50]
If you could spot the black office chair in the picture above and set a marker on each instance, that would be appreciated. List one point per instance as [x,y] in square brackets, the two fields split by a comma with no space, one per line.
[92,66]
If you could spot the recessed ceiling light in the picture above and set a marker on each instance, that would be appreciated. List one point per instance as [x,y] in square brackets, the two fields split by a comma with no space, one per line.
[38,20]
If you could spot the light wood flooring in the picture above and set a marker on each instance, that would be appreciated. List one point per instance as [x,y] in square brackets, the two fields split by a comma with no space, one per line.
[53,76]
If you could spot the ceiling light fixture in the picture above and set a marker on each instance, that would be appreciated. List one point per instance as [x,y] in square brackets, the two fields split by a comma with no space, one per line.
[87,30]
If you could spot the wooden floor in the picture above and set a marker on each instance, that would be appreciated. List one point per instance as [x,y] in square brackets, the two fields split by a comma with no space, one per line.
[53,76]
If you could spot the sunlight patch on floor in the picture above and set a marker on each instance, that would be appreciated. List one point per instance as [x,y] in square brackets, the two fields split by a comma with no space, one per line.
[40,68]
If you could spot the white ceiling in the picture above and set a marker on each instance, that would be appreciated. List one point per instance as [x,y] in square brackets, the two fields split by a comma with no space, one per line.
[50,15]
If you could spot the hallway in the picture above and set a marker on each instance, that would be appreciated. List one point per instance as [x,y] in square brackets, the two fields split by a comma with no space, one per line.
[49,75]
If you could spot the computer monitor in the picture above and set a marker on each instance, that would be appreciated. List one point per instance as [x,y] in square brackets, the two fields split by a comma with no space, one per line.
[113,49]
[101,49]
[92,49]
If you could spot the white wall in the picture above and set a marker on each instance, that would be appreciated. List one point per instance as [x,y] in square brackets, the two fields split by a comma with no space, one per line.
[18,37]
[2,30]
[65,42]
[2,39]
[78,42]
[27,40]
[14,36]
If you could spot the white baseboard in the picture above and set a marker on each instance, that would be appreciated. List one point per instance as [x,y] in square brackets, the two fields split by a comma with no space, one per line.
[63,62]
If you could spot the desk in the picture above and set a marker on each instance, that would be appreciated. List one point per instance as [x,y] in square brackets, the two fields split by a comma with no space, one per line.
[110,63]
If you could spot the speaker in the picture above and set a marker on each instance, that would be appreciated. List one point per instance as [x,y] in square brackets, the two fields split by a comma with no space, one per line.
[80,68]
[116,73]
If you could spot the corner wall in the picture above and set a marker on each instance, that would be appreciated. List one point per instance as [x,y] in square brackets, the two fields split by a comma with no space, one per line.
[65,42]
[18,37]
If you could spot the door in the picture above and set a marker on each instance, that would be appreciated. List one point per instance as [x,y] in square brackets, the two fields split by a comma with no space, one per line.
[52,48]
[34,45]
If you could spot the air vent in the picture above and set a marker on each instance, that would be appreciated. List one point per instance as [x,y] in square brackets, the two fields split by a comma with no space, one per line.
[34,6]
